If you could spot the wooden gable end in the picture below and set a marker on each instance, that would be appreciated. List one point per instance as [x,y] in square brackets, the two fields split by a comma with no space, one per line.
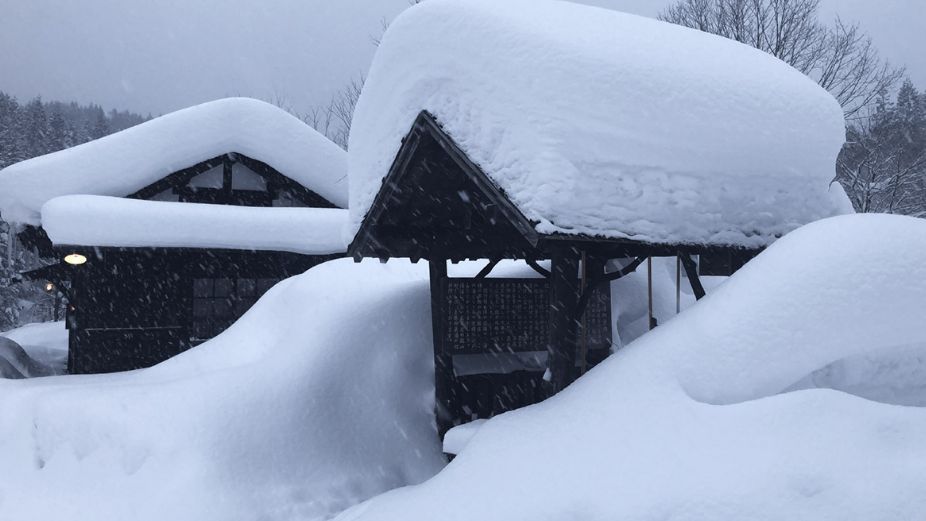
[223,190]
[437,204]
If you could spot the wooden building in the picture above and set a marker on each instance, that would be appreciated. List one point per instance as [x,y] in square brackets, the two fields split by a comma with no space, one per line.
[153,271]
[530,336]
[583,144]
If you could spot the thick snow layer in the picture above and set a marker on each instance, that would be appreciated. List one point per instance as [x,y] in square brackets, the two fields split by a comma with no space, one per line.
[701,420]
[93,220]
[46,343]
[319,397]
[603,123]
[122,163]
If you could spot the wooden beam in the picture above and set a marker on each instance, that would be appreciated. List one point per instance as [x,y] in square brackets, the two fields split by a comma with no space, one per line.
[445,403]
[601,278]
[691,269]
[227,179]
[484,272]
[537,267]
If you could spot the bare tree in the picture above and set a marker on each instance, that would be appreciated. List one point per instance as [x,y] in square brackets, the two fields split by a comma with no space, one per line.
[334,120]
[883,165]
[841,57]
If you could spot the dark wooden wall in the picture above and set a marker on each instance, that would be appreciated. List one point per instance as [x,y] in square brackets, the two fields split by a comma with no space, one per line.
[132,308]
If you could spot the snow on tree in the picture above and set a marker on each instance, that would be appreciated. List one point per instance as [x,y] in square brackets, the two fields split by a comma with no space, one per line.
[883,165]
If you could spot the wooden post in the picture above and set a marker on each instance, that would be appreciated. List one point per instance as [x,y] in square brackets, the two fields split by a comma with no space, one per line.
[678,285]
[445,408]
[649,292]
[691,269]
[583,318]
[593,268]
[227,180]
[564,326]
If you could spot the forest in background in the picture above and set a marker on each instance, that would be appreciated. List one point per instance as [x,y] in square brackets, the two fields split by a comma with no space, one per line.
[30,130]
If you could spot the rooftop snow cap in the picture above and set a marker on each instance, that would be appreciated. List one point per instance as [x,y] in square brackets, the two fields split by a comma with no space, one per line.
[127,161]
[600,123]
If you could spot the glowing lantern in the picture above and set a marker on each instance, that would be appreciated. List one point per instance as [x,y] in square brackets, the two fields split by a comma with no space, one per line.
[75,259]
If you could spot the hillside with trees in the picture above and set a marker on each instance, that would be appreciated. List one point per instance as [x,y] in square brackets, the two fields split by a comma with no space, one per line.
[29,130]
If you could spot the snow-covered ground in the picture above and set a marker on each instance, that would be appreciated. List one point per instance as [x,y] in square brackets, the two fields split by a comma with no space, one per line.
[318,398]
[702,419]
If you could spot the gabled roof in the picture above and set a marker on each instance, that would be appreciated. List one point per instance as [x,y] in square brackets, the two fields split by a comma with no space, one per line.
[435,203]
[595,123]
[125,162]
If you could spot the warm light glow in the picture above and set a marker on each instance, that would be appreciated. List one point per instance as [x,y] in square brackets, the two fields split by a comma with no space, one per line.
[49,286]
[76,259]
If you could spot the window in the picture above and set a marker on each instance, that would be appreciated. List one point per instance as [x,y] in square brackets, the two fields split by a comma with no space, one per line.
[217,303]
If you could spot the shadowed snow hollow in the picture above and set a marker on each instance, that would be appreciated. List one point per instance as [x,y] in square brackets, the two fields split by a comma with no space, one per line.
[319,397]
[644,437]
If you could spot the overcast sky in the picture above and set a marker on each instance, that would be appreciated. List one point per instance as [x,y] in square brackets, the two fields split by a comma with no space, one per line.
[160,55]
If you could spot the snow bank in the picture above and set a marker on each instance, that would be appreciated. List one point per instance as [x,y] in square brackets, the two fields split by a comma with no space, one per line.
[125,162]
[643,436]
[602,123]
[319,397]
[91,220]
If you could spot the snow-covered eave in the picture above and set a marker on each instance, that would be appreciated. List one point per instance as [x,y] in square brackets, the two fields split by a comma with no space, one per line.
[86,221]
[655,247]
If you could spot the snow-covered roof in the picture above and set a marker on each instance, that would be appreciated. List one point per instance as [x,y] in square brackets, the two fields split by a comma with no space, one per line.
[127,161]
[601,123]
[93,220]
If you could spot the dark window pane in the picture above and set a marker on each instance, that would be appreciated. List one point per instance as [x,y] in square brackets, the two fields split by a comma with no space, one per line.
[222,308]
[247,287]
[223,287]
[202,308]
[202,287]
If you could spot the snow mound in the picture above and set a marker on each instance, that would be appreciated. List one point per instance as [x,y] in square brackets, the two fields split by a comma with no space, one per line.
[93,220]
[601,123]
[127,161]
[319,397]
[644,436]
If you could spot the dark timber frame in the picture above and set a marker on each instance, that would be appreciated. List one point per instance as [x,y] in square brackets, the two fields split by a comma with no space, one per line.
[436,204]
[130,308]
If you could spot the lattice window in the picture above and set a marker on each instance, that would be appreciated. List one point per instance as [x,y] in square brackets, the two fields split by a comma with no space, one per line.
[217,303]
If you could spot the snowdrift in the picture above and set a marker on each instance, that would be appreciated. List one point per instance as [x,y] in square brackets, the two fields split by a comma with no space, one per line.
[600,123]
[701,419]
[318,398]
[127,161]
